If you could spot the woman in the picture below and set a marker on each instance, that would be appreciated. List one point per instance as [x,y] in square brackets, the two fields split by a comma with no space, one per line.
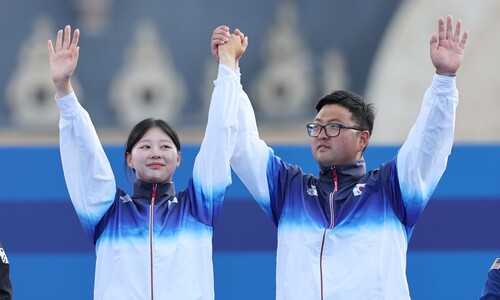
[154,243]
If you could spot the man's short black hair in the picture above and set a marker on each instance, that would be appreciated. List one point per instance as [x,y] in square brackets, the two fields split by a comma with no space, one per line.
[363,114]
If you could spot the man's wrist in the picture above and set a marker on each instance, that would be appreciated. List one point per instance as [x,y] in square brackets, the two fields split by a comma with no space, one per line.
[446,73]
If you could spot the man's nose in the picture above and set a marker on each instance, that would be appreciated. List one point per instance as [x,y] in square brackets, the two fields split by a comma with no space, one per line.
[322,133]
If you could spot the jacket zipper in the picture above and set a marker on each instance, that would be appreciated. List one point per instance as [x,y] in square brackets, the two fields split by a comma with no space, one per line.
[151,211]
[332,223]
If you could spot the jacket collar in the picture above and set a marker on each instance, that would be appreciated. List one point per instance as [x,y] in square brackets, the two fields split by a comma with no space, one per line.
[345,173]
[144,190]
[347,176]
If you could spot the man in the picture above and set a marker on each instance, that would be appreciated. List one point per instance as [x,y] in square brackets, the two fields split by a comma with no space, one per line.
[491,289]
[5,283]
[345,233]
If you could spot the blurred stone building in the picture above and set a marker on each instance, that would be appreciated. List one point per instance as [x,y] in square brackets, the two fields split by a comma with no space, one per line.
[152,59]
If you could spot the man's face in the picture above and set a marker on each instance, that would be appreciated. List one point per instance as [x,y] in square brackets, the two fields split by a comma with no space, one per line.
[340,150]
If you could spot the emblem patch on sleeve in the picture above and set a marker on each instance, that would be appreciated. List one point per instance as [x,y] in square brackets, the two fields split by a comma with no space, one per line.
[125,198]
[311,191]
[358,189]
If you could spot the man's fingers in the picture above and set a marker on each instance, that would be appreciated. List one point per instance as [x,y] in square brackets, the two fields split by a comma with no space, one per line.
[219,38]
[441,32]
[220,31]
[458,28]
[464,39]
[222,28]
[221,35]
[434,41]
[216,43]
[449,27]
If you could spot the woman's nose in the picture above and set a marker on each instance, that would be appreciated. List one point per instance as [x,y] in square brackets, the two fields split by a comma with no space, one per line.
[155,152]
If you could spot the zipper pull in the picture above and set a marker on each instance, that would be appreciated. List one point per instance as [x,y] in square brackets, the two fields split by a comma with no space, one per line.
[335,188]
[153,194]
[151,209]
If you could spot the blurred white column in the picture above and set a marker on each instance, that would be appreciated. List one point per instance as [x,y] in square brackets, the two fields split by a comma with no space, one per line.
[94,15]
[148,84]
[402,70]
[285,85]
[30,91]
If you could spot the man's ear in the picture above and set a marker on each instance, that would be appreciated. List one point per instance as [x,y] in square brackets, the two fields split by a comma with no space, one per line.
[364,138]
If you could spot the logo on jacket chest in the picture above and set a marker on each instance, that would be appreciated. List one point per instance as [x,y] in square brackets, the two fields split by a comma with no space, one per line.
[358,189]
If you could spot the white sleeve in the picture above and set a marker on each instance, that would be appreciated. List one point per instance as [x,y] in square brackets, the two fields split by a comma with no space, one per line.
[88,174]
[422,159]
[251,156]
[212,172]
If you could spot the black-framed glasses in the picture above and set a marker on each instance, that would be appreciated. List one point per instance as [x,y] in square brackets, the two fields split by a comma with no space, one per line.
[331,130]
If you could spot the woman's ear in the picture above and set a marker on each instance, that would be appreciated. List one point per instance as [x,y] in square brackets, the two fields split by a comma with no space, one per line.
[128,157]
[179,158]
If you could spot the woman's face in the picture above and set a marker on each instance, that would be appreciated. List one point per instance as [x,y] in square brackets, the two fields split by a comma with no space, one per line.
[154,157]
